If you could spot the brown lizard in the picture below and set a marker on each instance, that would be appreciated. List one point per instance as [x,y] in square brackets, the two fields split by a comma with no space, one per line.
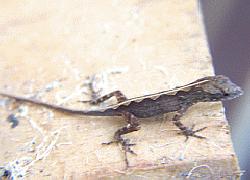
[179,99]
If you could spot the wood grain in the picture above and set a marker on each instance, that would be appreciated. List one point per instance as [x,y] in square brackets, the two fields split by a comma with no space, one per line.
[136,46]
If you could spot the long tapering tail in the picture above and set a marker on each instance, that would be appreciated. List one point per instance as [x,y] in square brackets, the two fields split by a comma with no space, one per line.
[101,112]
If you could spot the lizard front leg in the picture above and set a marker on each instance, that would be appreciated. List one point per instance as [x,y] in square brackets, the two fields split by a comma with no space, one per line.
[186,130]
[120,97]
[133,125]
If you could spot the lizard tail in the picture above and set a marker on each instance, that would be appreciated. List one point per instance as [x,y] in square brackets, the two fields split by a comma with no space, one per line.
[104,112]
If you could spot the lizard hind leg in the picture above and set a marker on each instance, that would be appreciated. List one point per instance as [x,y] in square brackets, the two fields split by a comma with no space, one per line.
[120,97]
[133,125]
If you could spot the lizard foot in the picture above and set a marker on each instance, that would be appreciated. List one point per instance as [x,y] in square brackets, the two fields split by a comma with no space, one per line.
[190,132]
[125,147]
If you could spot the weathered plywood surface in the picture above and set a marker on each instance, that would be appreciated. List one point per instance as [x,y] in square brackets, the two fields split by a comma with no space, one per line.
[136,46]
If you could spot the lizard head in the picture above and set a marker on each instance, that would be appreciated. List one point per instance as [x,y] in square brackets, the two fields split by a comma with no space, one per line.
[221,88]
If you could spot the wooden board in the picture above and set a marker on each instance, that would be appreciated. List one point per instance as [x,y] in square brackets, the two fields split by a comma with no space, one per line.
[49,48]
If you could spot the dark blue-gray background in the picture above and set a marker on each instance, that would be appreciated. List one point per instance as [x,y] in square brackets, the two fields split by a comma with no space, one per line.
[227,24]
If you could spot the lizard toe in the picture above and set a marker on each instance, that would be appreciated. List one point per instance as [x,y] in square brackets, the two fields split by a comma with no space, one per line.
[190,132]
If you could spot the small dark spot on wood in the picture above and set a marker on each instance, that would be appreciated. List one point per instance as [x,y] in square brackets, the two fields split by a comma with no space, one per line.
[13,119]
[134,40]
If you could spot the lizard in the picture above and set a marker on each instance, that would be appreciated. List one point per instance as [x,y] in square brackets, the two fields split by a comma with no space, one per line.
[179,99]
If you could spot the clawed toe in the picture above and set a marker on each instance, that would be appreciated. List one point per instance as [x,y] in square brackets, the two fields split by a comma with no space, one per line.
[125,147]
[190,132]
[201,129]
[130,151]
[108,143]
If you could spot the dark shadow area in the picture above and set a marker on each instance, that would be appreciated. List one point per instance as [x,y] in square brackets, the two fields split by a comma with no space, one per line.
[227,24]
